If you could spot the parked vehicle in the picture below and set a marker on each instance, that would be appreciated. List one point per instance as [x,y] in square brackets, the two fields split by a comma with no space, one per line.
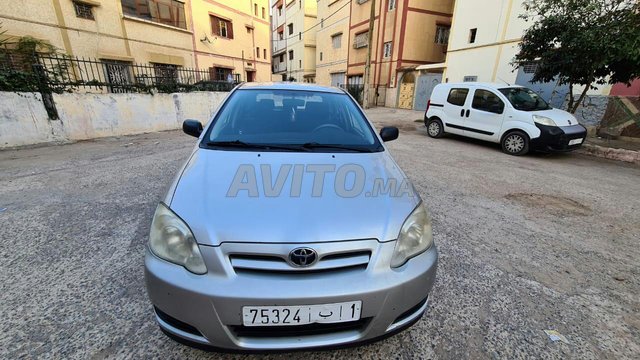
[232,266]
[513,116]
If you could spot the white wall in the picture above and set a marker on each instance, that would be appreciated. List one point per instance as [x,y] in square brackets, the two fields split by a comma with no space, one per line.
[24,121]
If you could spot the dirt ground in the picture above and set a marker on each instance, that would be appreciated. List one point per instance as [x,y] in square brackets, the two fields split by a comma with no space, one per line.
[527,244]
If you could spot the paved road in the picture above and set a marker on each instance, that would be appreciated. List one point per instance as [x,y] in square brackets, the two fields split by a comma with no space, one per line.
[526,244]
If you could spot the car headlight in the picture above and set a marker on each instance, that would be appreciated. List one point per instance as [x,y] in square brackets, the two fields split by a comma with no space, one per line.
[543,120]
[415,237]
[170,239]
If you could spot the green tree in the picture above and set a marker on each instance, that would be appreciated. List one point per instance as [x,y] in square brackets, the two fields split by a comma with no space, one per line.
[582,43]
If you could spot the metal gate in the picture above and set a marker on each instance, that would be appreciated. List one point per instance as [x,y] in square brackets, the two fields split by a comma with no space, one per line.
[551,92]
[424,87]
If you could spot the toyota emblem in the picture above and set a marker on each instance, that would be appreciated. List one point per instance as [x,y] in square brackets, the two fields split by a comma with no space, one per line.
[303,257]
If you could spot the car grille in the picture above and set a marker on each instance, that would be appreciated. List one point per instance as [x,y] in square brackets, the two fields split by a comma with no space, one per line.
[297,330]
[277,263]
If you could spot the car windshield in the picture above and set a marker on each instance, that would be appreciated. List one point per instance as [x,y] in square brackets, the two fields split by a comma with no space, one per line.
[291,120]
[524,99]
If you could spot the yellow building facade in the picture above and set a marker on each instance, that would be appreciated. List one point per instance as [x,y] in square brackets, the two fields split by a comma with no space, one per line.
[332,42]
[406,34]
[293,37]
[179,33]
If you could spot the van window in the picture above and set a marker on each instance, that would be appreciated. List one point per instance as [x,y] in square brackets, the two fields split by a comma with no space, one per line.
[457,96]
[487,101]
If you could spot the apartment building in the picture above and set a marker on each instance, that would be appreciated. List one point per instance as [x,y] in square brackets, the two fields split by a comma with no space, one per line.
[221,35]
[332,42]
[293,36]
[406,34]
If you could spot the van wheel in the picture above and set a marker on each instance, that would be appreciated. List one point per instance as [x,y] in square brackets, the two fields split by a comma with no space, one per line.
[434,128]
[515,143]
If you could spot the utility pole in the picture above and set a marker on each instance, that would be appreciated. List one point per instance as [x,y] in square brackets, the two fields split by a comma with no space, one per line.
[367,66]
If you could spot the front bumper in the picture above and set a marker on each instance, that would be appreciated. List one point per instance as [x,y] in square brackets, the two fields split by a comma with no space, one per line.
[206,309]
[556,138]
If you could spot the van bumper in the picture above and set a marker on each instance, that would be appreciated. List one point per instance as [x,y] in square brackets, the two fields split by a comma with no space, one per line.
[557,138]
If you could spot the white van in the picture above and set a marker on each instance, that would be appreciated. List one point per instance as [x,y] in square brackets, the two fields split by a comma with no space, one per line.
[514,116]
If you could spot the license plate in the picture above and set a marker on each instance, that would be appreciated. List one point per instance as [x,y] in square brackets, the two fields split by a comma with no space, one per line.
[301,314]
[575,141]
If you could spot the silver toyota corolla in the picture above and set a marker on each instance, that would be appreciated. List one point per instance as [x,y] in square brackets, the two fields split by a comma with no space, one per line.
[290,226]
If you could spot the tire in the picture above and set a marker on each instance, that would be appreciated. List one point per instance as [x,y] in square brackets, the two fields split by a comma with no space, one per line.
[435,128]
[515,143]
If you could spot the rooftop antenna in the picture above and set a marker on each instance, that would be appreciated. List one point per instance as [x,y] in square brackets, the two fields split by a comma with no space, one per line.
[499,78]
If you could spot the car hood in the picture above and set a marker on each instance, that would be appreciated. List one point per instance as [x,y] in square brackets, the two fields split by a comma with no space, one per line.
[561,117]
[203,198]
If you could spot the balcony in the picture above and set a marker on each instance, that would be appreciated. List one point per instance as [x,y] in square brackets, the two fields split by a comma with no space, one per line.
[279,67]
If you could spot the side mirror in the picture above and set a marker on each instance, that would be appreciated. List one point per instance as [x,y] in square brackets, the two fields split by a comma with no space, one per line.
[192,127]
[389,133]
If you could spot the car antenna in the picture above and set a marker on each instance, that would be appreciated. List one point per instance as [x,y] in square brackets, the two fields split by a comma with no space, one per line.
[499,78]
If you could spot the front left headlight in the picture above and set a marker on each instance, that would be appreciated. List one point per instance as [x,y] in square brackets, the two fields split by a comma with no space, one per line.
[415,237]
[171,239]
[543,120]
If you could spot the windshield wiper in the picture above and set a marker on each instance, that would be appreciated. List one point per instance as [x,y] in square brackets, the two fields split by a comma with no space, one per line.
[242,144]
[315,145]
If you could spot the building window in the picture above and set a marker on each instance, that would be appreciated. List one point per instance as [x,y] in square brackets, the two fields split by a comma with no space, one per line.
[387,49]
[442,34]
[255,9]
[362,1]
[168,12]
[248,30]
[299,64]
[83,10]
[258,52]
[264,53]
[392,5]
[290,54]
[470,79]
[472,35]
[221,27]
[299,36]
[280,11]
[220,73]
[118,74]
[290,27]
[336,41]
[320,55]
[281,57]
[361,40]
[263,12]
[281,35]
[529,67]
[166,74]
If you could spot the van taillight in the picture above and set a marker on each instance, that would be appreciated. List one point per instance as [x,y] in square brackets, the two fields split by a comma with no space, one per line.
[428,104]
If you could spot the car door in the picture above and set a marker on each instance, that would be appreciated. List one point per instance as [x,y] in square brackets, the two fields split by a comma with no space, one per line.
[485,115]
[454,110]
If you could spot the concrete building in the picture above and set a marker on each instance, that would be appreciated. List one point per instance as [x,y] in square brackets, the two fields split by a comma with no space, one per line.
[484,40]
[221,35]
[293,36]
[407,33]
[332,45]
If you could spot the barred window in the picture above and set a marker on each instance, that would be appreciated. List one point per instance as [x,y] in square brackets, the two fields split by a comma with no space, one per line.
[387,49]
[529,67]
[361,40]
[83,10]
[442,34]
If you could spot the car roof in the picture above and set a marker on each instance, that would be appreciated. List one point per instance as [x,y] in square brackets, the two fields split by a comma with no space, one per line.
[290,86]
[493,86]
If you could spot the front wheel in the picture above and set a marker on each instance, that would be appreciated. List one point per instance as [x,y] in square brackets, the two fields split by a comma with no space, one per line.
[515,143]
[434,128]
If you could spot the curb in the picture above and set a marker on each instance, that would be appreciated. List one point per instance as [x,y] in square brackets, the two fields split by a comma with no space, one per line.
[629,156]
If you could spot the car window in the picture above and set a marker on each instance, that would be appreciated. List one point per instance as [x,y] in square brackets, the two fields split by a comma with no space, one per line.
[486,100]
[292,117]
[457,96]
[525,99]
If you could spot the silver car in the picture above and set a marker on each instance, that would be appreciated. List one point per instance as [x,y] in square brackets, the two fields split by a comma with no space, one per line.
[290,226]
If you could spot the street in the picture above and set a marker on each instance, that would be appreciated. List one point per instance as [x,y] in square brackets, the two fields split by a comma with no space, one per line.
[527,244]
